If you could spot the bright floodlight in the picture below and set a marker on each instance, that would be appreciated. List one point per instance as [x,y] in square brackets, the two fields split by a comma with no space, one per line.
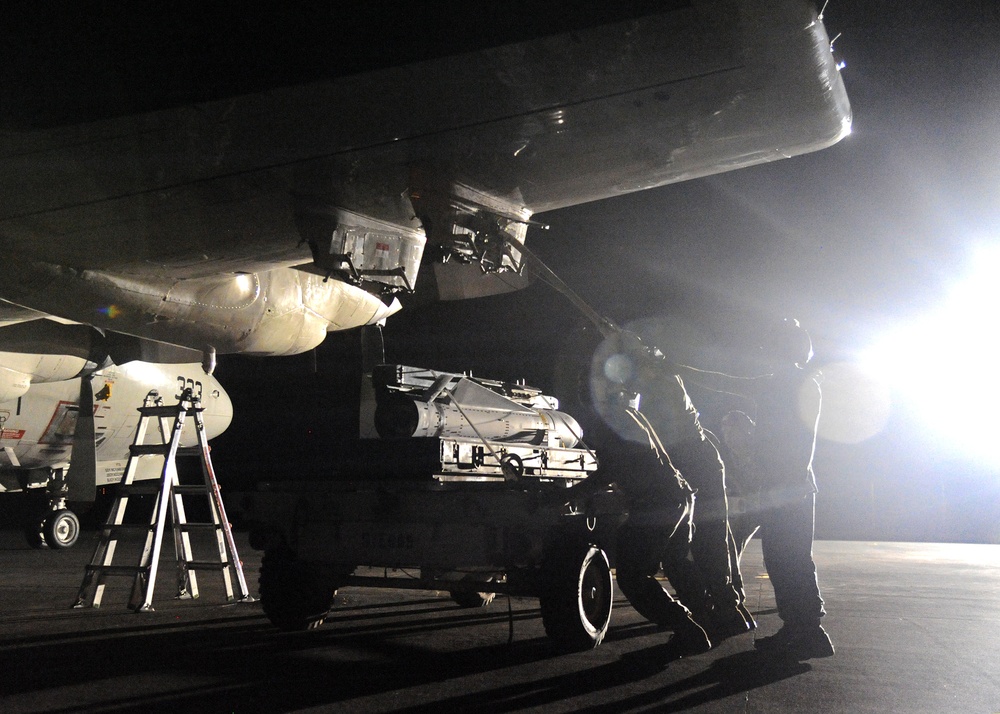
[944,366]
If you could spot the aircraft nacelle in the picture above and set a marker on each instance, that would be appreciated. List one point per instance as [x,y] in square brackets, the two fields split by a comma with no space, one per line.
[278,312]
[19,371]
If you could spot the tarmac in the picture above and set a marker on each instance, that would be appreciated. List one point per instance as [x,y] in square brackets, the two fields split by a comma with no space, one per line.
[916,627]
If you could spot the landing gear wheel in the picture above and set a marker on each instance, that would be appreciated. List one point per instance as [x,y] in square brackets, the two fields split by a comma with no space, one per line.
[294,595]
[577,595]
[61,529]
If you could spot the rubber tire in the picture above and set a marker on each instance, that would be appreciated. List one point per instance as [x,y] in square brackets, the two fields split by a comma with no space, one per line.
[577,596]
[294,595]
[61,529]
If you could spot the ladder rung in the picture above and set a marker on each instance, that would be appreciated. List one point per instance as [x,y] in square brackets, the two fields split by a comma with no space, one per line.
[149,449]
[151,488]
[162,450]
[192,490]
[142,488]
[168,410]
[116,570]
[205,565]
[112,530]
[198,526]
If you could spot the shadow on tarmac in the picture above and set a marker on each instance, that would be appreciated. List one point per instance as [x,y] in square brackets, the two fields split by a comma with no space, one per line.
[899,648]
[731,675]
[239,662]
[242,663]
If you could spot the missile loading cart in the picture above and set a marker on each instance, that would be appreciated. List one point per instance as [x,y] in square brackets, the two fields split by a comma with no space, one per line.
[464,491]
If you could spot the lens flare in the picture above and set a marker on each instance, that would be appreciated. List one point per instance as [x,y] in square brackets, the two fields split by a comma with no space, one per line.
[856,403]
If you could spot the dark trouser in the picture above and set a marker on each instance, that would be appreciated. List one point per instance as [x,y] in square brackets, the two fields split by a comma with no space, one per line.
[786,535]
[712,546]
[735,551]
[644,548]
[743,523]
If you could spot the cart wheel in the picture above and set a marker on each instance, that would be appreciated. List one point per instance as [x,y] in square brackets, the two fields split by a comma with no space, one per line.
[577,596]
[294,595]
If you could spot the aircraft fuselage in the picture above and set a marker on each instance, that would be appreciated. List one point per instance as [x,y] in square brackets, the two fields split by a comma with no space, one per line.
[37,428]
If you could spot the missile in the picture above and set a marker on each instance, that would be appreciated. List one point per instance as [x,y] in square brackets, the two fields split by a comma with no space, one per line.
[444,405]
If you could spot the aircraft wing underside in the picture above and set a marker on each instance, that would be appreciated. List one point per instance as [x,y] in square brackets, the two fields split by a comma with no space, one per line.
[258,222]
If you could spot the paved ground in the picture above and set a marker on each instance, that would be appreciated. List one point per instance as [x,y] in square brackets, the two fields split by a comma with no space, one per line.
[917,629]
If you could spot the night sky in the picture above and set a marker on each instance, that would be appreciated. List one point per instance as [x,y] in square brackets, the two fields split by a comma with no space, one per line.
[855,241]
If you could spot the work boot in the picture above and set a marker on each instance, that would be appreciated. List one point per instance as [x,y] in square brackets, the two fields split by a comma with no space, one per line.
[687,640]
[798,642]
[723,627]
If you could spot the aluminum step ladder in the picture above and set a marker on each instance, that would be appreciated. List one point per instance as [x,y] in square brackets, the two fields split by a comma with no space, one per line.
[168,491]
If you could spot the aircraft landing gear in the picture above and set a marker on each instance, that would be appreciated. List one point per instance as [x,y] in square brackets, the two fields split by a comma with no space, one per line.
[56,526]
